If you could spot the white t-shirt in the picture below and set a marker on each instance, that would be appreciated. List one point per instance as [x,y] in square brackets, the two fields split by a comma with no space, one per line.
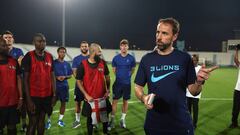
[237,87]
[188,94]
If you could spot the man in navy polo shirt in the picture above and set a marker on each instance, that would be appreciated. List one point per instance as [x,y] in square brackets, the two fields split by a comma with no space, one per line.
[123,66]
[168,72]
[16,53]
[63,72]
[78,96]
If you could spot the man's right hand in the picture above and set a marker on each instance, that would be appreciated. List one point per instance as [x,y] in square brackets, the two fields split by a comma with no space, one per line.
[60,78]
[31,106]
[88,98]
[145,99]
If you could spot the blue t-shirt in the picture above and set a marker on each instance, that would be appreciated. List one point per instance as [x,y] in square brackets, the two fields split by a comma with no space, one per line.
[167,76]
[77,60]
[123,67]
[76,63]
[62,69]
[16,53]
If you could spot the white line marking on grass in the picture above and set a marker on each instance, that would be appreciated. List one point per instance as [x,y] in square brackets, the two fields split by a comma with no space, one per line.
[133,102]
[216,99]
[71,89]
[70,109]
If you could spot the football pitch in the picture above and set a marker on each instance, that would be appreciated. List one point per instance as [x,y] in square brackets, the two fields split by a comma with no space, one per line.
[214,110]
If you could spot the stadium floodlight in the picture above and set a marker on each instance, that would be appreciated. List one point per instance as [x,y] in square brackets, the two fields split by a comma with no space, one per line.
[63,22]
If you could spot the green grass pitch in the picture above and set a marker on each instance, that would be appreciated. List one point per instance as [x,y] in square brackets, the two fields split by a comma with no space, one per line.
[214,111]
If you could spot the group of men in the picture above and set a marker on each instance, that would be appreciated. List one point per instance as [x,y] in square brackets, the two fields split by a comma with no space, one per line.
[93,83]
[167,72]
[45,81]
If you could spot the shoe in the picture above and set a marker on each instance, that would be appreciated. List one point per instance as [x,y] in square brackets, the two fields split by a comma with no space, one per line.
[48,125]
[61,123]
[76,124]
[122,123]
[111,125]
[95,127]
[233,125]
[23,128]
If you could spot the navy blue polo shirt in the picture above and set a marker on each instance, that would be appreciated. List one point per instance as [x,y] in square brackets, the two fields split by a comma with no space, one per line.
[123,67]
[76,63]
[167,76]
[62,69]
[16,53]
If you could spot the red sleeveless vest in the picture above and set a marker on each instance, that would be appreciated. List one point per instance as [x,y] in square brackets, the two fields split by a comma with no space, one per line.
[8,84]
[93,80]
[40,83]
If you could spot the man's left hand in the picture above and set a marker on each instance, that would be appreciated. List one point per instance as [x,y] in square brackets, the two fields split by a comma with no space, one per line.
[54,100]
[106,95]
[20,103]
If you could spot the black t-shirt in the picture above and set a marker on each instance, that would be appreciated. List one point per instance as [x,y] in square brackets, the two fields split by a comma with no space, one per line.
[4,62]
[167,76]
[80,69]
[26,62]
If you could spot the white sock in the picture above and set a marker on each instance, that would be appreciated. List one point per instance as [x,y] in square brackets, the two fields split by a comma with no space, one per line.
[123,116]
[77,117]
[61,117]
[112,117]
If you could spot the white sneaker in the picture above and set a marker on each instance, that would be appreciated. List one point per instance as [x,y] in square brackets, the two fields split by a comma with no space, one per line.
[48,125]
[122,123]
[61,123]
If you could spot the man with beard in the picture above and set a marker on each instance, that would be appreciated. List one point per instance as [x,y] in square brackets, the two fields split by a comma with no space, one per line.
[94,82]
[40,84]
[78,95]
[168,72]
[10,93]
[17,54]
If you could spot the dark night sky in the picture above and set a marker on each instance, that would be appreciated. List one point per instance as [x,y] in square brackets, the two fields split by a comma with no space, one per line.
[204,23]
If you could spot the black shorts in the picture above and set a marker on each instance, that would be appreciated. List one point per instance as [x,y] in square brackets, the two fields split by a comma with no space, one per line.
[121,90]
[9,116]
[78,95]
[42,104]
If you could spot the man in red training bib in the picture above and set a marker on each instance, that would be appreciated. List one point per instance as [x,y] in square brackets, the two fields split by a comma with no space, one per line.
[10,93]
[93,80]
[40,85]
